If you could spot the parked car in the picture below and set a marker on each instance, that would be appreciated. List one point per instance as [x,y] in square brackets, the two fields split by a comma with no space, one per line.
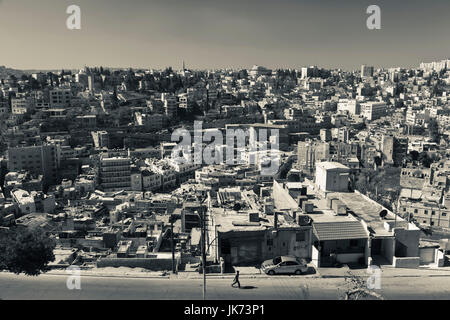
[284,265]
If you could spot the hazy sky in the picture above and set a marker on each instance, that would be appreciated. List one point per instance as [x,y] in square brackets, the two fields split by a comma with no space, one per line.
[226,33]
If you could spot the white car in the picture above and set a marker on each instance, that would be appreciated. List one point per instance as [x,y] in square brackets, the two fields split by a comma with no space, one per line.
[284,265]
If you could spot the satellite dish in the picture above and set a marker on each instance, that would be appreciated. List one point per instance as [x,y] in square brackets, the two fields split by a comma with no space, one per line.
[383,213]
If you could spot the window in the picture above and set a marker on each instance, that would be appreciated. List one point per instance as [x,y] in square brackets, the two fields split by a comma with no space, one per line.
[270,242]
[415,210]
[444,214]
[301,236]
[291,263]
[353,242]
[426,211]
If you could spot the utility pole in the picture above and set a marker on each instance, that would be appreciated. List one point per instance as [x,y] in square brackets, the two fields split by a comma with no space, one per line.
[204,252]
[395,217]
[172,244]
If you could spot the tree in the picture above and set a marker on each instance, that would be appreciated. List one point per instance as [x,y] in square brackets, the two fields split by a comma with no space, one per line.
[425,159]
[433,130]
[26,251]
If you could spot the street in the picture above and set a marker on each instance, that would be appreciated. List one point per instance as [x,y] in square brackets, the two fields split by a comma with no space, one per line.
[49,287]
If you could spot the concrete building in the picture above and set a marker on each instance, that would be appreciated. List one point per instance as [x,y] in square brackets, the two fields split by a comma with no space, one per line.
[24,201]
[257,71]
[349,105]
[151,181]
[394,149]
[151,121]
[40,160]
[366,71]
[21,106]
[170,105]
[325,135]
[91,83]
[348,227]
[373,110]
[311,152]
[248,238]
[101,139]
[60,98]
[332,177]
[428,207]
[343,134]
[115,173]
[136,180]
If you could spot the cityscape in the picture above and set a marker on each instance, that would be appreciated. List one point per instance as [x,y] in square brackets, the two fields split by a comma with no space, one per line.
[92,171]
[251,153]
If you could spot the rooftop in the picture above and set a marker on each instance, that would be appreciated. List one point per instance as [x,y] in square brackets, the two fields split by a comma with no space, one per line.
[367,210]
[230,220]
[327,165]
[340,230]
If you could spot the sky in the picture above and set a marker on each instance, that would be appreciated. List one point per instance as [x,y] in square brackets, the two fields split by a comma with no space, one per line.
[210,34]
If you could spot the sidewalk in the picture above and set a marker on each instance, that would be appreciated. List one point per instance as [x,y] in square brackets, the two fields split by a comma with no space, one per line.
[114,273]
[386,271]
[252,272]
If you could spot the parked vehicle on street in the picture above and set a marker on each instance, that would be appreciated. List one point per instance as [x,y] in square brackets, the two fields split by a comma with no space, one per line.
[284,265]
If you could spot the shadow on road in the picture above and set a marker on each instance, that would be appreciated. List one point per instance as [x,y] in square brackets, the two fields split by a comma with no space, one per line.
[249,287]
[311,270]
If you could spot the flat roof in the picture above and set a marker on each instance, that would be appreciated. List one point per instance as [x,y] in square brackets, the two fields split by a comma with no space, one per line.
[367,210]
[328,165]
[230,220]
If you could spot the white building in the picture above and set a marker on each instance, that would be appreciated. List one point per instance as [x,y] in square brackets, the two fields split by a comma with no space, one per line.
[332,177]
[373,110]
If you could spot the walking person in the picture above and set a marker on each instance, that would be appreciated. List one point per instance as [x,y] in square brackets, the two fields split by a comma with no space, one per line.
[236,280]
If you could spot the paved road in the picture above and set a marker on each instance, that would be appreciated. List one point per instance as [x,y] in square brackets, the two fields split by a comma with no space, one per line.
[279,288]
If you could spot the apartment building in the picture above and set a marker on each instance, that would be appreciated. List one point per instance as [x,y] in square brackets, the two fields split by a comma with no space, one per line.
[60,98]
[373,110]
[40,160]
[115,173]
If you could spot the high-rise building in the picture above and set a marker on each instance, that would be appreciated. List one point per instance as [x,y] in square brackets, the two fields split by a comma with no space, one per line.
[343,134]
[170,105]
[91,84]
[186,101]
[373,110]
[40,160]
[325,135]
[394,149]
[115,173]
[60,98]
[311,152]
[366,71]
[308,72]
